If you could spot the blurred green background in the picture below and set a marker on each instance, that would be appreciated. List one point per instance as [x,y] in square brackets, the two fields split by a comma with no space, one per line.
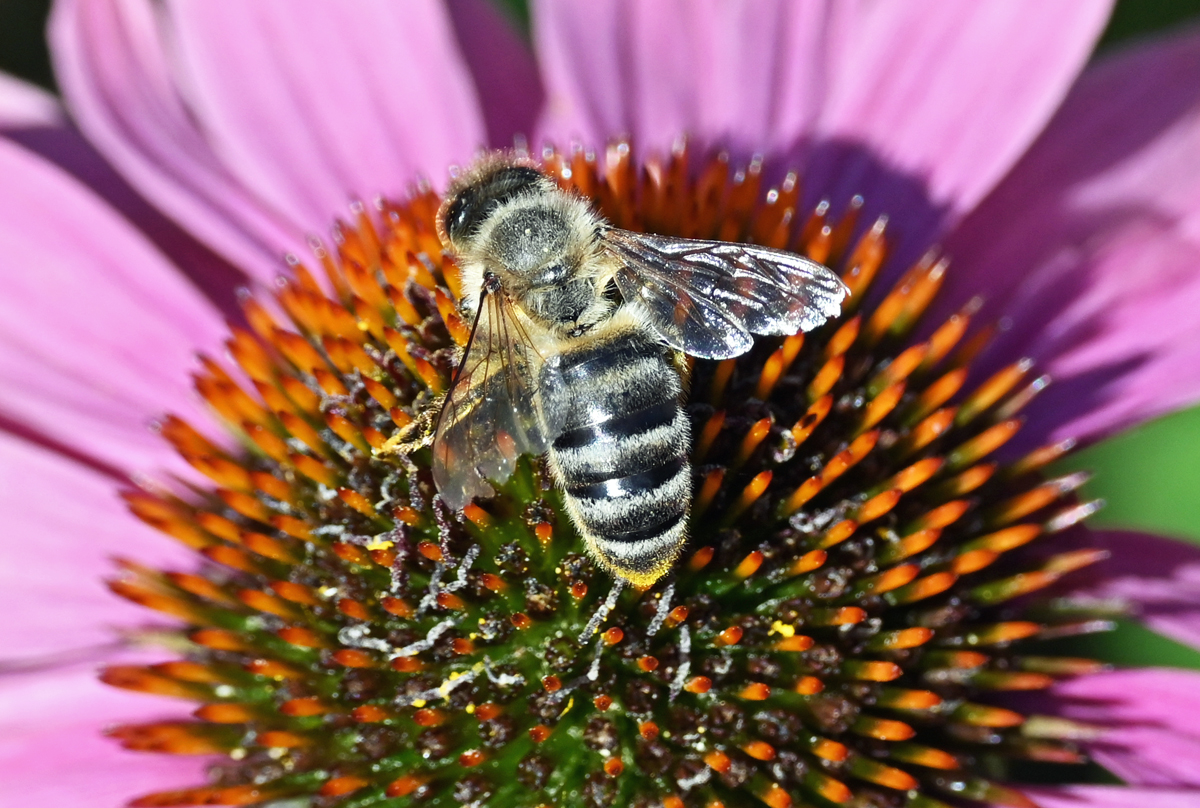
[1150,476]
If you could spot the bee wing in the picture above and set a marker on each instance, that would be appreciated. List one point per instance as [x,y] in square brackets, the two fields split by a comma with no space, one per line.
[705,298]
[490,417]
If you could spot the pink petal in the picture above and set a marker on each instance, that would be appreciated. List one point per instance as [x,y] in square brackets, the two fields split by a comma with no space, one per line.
[115,73]
[1159,578]
[24,105]
[313,102]
[254,124]
[1090,247]
[1151,736]
[53,753]
[97,329]
[63,523]
[36,120]
[921,108]
[66,148]
[502,67]
[1114,797]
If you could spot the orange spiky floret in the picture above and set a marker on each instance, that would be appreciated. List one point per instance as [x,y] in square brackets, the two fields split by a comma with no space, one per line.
[855,524]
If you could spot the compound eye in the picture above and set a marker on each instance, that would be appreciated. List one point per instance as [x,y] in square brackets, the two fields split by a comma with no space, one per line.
[461,214]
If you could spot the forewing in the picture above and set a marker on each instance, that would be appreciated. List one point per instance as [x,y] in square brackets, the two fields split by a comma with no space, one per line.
[490,416]
[707,297]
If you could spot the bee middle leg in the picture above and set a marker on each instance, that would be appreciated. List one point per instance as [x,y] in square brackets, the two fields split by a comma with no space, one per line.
[417,435]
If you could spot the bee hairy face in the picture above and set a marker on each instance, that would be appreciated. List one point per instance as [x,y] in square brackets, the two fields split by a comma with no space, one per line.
[532,242]
[509,219]
[472,204]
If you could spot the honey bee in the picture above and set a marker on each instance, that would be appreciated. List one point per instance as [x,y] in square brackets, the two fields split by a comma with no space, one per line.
[576,352]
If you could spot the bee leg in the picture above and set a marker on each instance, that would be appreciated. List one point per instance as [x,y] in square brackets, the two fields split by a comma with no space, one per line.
[417,435]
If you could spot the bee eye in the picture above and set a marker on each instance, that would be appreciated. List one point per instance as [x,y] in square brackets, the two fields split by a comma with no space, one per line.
[460,212]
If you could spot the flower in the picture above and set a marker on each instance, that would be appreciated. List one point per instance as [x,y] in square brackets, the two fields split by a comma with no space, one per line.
[251,141]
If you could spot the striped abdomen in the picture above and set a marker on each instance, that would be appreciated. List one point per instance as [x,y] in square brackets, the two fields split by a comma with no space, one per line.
[622,455]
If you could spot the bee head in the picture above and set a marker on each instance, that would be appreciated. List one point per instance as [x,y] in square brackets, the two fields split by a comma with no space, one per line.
[477,195]
[508,218]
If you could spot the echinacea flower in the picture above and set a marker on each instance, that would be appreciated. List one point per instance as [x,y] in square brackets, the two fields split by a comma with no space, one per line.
[860,598]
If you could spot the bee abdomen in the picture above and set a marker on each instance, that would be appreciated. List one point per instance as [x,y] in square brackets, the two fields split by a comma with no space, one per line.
[622,460]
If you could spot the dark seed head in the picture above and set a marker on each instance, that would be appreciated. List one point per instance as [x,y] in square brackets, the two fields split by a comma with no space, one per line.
[853,604]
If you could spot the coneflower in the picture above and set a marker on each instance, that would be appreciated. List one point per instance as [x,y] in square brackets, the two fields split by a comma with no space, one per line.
[858,594]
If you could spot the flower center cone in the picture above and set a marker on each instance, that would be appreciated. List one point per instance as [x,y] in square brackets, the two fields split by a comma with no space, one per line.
[858,593]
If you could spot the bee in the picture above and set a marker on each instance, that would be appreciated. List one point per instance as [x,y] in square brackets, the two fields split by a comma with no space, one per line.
[576,352]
